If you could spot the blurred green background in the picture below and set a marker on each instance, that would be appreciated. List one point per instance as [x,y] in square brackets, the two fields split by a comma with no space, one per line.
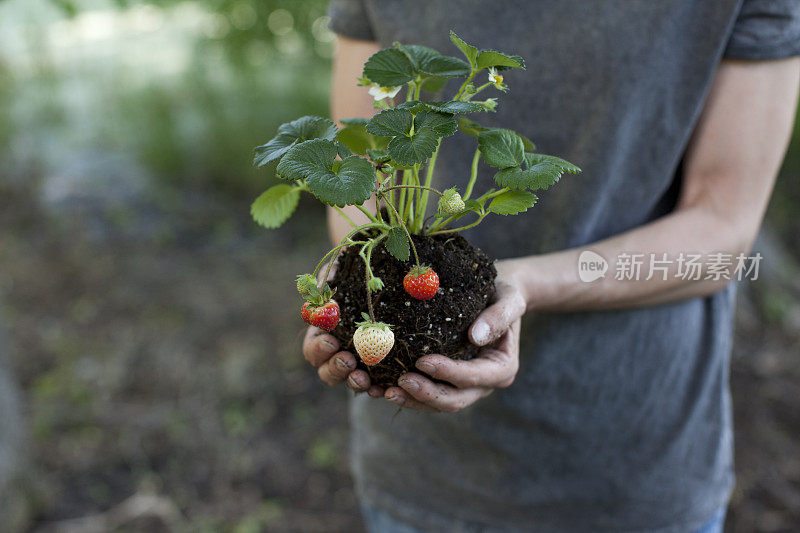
[143,313]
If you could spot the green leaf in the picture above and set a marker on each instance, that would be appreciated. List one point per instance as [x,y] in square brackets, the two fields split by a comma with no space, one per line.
[391,122]
[397,243]
[456,106]
[527,143]
[342,149]
[469,51]
[427,61]
[440,123]
[378,155]
[414,106]
[415,149]
[346,182]
[516,58]
[474,205]
[389,68]
[291,133]
[470,127]
[446,67]
[355,136]
[354,121]
[275,206]
[493,58]
[566,166]
[418,55]
[501,148]
[539,176]
[512,202]
[434,84]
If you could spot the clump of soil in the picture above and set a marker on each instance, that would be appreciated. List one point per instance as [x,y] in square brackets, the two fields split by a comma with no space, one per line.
[435,326]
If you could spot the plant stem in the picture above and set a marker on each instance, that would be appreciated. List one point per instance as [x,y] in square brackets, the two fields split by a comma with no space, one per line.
[492,194]
[479,89]
[343,243]
[462,228]
[412,187]
[408,215]
[464,85]
[344,216]
[473,176]
[401,205]
[392,218]
[369,246]
[423,202]
[372,217]
[442,222]
[367,277]
[410,240]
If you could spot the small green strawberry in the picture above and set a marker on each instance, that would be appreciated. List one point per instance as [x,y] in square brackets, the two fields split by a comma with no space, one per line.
[451,202]
[306,283]
[375,284]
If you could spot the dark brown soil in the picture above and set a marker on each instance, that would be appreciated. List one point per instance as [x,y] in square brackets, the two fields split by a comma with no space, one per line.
[438,325]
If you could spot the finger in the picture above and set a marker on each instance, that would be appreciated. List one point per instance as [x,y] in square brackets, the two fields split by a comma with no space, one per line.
[337,368]
[401,398]
[318,347]
[439,396]
[508,306]
[359,381]
[376,391]
[493,368]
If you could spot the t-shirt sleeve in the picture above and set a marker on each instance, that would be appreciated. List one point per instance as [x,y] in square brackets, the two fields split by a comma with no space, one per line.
[351,19]
[766,29]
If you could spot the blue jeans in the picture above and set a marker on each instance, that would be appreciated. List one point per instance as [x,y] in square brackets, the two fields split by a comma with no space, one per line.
[379,522]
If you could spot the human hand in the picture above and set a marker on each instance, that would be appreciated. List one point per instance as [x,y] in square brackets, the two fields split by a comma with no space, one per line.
[334,366]
[494,367]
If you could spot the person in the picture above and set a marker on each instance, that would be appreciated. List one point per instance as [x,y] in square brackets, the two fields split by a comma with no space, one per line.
[609,410]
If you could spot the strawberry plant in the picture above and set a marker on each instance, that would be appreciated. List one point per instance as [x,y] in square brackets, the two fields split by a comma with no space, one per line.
[392,157]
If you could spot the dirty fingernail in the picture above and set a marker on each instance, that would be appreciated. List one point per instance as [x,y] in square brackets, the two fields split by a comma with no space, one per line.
[328,345]
[353,384]
[399,400]
[340,364]
[480,332]
[408,384]
[426,367]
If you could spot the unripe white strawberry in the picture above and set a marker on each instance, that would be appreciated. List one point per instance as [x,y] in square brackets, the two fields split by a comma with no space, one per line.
[451,202]
[373,340]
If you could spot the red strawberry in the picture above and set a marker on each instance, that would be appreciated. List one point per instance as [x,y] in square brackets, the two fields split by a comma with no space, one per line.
[325,316]
[421,283]
[305,312]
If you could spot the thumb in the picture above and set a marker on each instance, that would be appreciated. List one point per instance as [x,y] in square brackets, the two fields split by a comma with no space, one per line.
[490,325]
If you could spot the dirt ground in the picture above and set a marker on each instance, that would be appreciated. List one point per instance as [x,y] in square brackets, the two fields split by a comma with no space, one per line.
[162,377]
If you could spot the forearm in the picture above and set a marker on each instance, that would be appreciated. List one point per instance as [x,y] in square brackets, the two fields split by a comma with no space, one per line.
[552,281]
[347,101]
[730,167]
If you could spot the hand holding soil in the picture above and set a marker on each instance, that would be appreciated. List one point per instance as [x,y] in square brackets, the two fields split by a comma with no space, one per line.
[456,384]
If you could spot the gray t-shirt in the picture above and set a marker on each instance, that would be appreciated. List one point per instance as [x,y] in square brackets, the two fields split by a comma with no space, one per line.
[619,420]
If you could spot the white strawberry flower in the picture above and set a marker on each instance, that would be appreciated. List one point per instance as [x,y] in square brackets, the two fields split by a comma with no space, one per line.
[379,93]
[495,78]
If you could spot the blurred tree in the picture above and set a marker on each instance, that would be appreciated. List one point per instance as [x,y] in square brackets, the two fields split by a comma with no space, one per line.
[242,22]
